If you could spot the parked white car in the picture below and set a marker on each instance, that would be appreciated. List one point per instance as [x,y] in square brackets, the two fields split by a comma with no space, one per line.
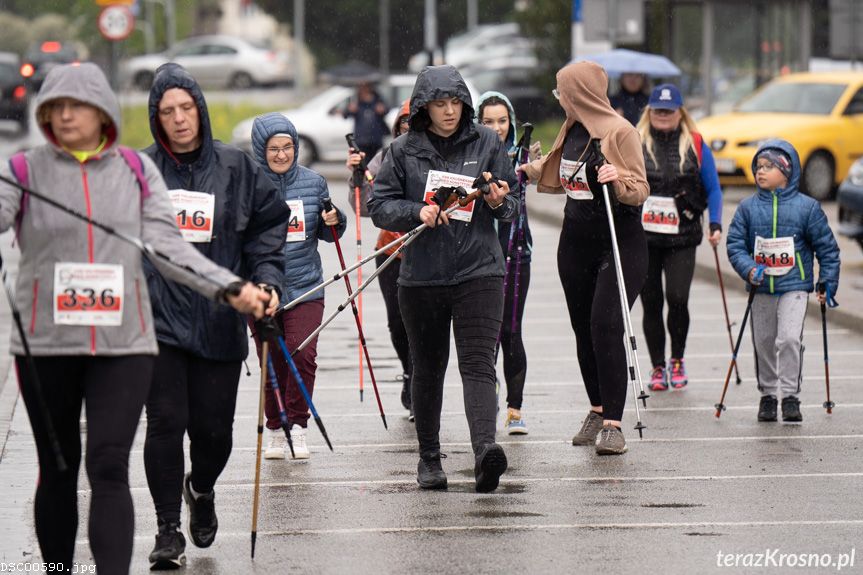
[321,125]
[223,61]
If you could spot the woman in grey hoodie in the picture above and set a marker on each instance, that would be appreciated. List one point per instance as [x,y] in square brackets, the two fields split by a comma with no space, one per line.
[89,323]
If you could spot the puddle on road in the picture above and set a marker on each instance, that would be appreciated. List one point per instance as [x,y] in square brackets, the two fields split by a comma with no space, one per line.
[491,514]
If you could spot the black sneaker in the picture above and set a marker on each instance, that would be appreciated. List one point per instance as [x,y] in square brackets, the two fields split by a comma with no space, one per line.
[767,408]
[203,522]
[430,473]
[170,549]
[490,465]
[406,391]
[790,409]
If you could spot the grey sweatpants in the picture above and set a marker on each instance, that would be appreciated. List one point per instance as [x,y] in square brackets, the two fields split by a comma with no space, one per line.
[777,333]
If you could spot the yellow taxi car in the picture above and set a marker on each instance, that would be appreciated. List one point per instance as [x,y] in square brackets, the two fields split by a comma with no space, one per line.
[821,114]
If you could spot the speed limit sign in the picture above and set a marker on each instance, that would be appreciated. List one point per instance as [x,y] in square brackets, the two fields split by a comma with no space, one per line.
[116,22]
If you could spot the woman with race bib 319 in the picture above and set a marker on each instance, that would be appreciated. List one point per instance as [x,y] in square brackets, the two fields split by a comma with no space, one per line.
[683,182]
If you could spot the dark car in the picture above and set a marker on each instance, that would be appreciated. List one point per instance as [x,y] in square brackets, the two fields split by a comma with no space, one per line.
[13,92]
[850,200]
[41,57]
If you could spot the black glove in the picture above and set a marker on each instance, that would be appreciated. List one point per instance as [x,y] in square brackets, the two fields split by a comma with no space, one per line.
[689,205]
[268,329]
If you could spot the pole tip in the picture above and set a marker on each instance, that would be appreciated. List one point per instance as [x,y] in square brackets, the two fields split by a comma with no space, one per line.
[254,537]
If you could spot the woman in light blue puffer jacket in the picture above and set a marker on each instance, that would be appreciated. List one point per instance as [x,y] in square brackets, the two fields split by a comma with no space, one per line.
[275,144]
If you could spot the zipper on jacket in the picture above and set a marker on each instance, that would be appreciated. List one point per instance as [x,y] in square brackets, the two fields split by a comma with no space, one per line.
[89,244]
[800,266]
[33,310]
[775,218]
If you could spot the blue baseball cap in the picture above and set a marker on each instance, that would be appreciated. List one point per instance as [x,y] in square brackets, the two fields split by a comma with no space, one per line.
[665,97]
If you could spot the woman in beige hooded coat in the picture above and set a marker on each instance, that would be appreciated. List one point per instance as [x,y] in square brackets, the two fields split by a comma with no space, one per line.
[584,257]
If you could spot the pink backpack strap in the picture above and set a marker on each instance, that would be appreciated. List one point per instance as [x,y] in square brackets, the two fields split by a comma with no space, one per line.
[18,165]
[137,166]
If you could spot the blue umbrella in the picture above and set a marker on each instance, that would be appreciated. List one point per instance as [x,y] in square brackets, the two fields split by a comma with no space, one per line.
[620,61]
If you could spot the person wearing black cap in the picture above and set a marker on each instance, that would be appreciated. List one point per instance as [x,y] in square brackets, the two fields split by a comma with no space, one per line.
[683,183]
[453,273]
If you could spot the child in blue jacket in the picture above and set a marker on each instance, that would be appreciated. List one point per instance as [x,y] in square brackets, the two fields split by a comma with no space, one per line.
[771,243]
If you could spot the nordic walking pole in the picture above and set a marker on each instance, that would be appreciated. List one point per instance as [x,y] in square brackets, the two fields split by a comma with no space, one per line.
[632,349]
[359,172]
[353,295]
[267,329]
[283,415]
[336,277]
[720,407]
[142,246]
[516,233]
[725,307]
[328,206]
[31,376]
[405,240]
[318,421]
[828,405]
[382,250]
[524,151]
[265,349]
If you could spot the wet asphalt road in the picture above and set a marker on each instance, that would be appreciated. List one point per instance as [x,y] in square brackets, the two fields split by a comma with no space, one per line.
[693,488]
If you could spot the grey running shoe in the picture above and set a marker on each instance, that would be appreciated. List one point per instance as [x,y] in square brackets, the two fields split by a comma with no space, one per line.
[610,441]
[589,429]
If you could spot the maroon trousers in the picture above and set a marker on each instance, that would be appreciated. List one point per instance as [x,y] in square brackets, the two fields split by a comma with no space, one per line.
[298,323]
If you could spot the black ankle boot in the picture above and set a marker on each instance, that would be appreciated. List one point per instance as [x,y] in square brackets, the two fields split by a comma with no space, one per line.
[767,408]
[490,465]
[430,473]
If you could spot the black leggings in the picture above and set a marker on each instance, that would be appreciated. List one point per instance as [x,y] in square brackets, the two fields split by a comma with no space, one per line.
[586,267]
[474,308]
[197,395]
[511,343]
[390,290]
[679,267]
[113,390]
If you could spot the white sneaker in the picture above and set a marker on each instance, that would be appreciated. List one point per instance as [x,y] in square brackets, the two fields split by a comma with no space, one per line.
[298,437]
[277,444]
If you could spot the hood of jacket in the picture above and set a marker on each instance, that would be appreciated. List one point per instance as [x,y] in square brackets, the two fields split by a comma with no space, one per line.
[170,76]
[512,136]
[265,127]
[793,186]
[85,83]
[437,83]
[583,89]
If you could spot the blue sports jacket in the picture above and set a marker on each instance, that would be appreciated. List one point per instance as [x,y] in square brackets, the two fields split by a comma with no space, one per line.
[302,262]
[781,213]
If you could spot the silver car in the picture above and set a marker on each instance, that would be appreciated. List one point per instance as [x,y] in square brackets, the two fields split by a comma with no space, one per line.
[217,61]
